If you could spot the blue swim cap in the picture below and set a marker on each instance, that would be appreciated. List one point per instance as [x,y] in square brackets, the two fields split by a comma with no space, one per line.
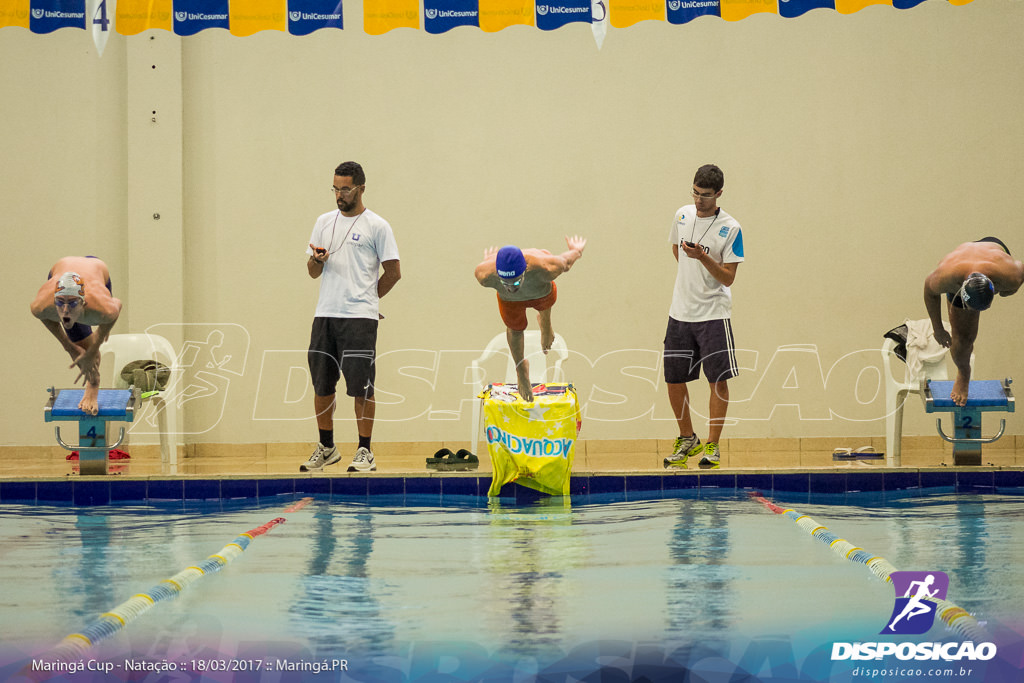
[510,263]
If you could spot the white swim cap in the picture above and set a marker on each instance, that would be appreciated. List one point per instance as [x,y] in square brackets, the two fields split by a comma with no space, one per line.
[70,284]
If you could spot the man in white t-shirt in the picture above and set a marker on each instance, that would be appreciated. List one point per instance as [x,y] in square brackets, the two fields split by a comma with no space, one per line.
[708,246]
[346,251]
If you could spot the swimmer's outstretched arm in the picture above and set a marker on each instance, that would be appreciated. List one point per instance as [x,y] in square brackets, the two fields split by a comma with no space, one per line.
[88,360]
[576,245]
[553,266]
[486,272]
[933,304]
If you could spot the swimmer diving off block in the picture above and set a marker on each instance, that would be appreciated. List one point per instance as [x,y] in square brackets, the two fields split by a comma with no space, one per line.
[524,278]
[970,276]
[76,295]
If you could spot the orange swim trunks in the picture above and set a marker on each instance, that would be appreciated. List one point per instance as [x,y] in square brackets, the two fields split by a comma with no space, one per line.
[513,313]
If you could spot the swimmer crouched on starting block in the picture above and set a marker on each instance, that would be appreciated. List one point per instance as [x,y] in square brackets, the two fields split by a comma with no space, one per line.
[970,276]
[77,294]
[524,278]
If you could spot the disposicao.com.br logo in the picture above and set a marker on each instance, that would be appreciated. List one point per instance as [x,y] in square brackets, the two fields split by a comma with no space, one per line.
[913,613]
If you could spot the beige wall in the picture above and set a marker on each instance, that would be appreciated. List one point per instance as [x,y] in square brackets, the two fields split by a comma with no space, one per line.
[857,150]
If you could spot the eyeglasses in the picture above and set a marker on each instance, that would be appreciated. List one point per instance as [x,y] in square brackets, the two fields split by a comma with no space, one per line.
[67,303]
[339,191]
[702,195]
[512,283]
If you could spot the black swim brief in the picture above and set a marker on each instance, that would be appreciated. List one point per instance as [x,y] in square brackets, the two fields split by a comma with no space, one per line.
[995,240]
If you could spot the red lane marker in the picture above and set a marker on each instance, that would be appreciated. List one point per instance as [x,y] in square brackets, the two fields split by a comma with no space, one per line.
[767,503]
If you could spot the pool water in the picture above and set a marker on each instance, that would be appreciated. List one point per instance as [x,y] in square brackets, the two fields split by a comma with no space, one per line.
[711,583]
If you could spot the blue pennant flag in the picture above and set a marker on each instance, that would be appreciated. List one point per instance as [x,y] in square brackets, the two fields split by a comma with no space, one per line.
[444,15]
[306,16]
[193,16]
[49,15]
[682,11]
[552,14]
[791,9]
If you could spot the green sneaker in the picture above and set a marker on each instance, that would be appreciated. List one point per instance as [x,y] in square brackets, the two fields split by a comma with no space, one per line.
[682,449]
[711,458]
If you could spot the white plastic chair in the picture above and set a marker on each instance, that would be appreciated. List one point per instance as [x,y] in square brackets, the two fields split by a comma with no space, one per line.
[119,350]
[896,392]
[543,368]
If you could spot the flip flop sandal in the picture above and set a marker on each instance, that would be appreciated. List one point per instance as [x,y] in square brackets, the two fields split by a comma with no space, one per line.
[440,458]
[464,460]
[458,462]
[862,453]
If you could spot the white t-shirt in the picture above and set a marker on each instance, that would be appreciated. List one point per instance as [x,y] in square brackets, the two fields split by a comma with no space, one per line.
[697,295]
[357,246]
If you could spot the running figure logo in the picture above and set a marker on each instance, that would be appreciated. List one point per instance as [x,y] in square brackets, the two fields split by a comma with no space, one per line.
[914,611]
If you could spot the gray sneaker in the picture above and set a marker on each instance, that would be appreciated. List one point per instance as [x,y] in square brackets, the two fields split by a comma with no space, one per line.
[363,461]
[321,456]
[682,449]
[711,458]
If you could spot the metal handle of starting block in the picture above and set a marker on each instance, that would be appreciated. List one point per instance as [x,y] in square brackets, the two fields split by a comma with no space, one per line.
[1002,428]
[120,438]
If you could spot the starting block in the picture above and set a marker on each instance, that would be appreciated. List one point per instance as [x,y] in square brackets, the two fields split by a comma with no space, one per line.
[982,396]
[115,405]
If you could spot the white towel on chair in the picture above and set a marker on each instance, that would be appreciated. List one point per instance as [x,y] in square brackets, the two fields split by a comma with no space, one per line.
[921,346]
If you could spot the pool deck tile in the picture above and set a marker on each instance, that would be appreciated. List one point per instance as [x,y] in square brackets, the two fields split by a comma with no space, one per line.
[900,481]
[213,489]
[91,493]
[1009,479]
[55,491]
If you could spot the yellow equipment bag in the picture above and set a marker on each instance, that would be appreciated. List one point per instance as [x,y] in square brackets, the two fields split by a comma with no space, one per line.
[532,444]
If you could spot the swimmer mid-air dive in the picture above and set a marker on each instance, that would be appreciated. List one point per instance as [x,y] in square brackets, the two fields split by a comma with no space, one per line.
[970,276]
[524,278]
[77,294]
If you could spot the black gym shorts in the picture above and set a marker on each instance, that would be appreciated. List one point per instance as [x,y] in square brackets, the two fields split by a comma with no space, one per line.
[343,346]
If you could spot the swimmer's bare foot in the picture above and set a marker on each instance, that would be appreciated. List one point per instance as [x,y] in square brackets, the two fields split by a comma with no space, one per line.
[523,374]
[90,402]
[960,389]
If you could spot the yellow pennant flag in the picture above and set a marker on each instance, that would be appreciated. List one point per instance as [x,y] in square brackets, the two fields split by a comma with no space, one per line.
[496,15]
[625,13]
[252,16]
[851,6]
[135,16]
[14,13]
[532,444]
[735,10]
[381,16]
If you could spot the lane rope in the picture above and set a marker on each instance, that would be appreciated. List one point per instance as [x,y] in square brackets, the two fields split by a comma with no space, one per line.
[74,646]
[954,616]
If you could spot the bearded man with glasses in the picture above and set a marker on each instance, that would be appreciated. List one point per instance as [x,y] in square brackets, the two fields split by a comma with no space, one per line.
[348,249]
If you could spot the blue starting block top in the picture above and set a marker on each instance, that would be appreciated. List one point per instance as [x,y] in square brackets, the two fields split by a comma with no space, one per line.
[111,402]
[988,393]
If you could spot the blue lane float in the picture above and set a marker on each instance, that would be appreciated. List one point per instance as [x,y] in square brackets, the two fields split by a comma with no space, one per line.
[954,616]
[74,646]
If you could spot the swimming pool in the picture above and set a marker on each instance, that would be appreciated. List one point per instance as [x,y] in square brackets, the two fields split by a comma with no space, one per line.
[706,581]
